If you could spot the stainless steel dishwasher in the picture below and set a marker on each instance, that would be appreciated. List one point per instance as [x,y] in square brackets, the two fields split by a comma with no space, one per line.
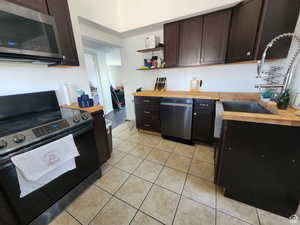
[176,117]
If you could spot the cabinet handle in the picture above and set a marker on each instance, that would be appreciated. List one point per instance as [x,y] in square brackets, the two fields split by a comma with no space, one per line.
[248,54]
[147,125]
[195,114]
[228,148]
[294,161]
[146,100]
[206,105]
[64,57]
[262,156]
[146,112]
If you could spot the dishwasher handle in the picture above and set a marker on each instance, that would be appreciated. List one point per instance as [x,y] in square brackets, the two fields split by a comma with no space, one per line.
[176,104]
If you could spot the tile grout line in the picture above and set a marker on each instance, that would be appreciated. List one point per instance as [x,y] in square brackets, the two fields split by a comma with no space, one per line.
[132,174]
[152,184]
[176,210]
[230,215]
[188,174]
[72,216]
[258,218]
[111,195]
[165,166]
[100,209]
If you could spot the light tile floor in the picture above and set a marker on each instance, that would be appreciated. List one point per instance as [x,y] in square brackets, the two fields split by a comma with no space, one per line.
[151,181]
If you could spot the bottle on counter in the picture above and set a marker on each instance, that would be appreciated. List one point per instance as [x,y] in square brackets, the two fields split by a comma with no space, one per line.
[283,100]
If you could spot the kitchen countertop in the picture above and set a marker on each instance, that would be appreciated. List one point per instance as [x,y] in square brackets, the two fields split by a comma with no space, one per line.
[279,117]
[228,96]
[179,94]
[75,106]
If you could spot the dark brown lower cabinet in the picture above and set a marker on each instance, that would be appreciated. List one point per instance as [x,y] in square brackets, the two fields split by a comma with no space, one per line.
[101,136]
[259,164]
[203,120]
[147,113]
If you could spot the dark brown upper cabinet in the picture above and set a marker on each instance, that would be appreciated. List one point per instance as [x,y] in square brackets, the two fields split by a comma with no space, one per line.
[215,37]
[190,41]
[276,19]
[202,40]
[255,23]
[38,5]
[171,40]
[244,26]
[60,10]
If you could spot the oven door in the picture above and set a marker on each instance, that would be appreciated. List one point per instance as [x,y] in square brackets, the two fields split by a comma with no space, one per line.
[26,32]
[20,211]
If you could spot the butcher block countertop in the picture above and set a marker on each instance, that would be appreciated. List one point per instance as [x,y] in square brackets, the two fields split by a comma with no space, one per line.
[92,109]
[228,96]
[279,117]
[179,94]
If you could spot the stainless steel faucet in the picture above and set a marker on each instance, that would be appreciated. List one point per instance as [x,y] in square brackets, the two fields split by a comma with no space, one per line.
[273,76]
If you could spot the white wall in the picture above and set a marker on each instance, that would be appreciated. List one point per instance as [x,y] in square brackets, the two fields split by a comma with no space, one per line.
[103,12]
[226,78]
[24,78]
[113,57]
[93,32]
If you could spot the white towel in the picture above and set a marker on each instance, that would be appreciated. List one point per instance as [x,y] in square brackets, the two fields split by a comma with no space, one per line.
[40,166]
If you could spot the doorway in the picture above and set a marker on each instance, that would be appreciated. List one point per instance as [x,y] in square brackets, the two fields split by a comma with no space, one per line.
[103,66]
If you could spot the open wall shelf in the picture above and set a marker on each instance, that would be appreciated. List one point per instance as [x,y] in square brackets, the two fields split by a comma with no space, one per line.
[151,50]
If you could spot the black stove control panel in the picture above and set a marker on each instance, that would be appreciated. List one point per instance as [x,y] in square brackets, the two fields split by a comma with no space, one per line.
[50,128]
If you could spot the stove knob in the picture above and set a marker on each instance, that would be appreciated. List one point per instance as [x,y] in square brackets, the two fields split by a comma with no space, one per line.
[76,119]
[3,143]
[85,116]
[19,138]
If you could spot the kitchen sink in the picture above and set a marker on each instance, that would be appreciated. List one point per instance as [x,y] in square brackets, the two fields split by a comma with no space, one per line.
[247,107]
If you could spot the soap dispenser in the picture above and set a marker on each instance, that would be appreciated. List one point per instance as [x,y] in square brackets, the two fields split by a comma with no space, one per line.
[283,100]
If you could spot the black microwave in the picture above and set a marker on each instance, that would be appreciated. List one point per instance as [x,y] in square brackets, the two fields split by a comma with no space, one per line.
[27,35]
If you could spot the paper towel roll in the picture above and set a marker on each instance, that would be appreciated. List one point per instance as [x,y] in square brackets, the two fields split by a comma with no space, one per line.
[66,94]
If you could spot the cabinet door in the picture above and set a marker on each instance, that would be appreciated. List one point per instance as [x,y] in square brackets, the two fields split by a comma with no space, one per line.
[101,136]
[171,41]
[215,37]
[190,41]
[203,120]
[277,19]
[60,10]
[202,126]
[245,20]
[38,5]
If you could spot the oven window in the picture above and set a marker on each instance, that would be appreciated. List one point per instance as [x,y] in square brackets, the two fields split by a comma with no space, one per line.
[21,33]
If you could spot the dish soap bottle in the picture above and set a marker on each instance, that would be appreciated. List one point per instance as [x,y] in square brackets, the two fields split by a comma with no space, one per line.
[283,100]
